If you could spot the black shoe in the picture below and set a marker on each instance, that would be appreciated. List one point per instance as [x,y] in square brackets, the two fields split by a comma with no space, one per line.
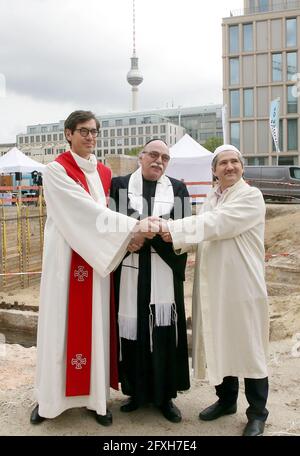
[35,418]
[171,412]
[105,420]
[216,410]
[254,428]
[129,406]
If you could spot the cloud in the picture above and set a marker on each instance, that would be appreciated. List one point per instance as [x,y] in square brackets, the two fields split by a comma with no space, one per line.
[63,53]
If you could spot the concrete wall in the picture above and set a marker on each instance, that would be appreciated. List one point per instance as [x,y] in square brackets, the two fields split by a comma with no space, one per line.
[121,165]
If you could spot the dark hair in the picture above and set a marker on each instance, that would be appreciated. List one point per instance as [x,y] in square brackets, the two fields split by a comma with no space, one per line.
[77,117]
[155,139]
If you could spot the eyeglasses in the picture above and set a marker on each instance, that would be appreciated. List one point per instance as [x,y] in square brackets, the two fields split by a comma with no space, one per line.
[155,155]
[85,132]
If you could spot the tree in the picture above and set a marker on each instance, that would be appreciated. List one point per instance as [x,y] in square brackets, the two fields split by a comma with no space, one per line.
[135,151]
[212,143]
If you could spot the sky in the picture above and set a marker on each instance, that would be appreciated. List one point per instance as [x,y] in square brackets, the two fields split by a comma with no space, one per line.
[60,55]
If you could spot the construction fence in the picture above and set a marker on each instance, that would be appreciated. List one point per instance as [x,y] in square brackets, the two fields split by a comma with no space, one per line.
[22,220]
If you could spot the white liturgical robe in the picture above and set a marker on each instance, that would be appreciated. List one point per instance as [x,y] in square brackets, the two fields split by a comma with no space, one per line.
[230,308]
[81,222]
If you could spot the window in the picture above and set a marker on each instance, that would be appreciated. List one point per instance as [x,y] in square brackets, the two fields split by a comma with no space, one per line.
[292,134]
[280,137]
[112,151]
[133,131]
[126,131]
[291,64]
[234,39]
[163,129]
[292,101]
[55,128]
[140,130]
[133,141]
[105,123]
[248,37]
[105,133]
[112,143]
[48,137]
[263,5]
[21,140]
[38,139]
[105,143]
[276,67]
[61,136]
[119,151]
[119,142]
[155,129]
[132,121]
[147,120]
[43,138]
[119,132]
[291,32]
[112,132]
[55,137]
[148,130]
[235,134]
[234,103]
[248,103]
[31,130]
[141,141]
[255,161]
[44,129]
[234,71]
[119,122]
[126,142]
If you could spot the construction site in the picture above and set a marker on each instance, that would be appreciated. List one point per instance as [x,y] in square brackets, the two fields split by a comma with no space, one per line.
[21,261]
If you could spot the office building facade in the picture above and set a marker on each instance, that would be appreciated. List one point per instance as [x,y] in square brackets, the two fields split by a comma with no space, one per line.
[122,132]
[260,64]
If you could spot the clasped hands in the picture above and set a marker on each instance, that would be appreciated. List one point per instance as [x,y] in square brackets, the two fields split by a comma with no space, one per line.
[148,228]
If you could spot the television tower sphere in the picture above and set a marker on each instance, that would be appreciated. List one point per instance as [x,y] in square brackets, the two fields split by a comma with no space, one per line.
[134,76]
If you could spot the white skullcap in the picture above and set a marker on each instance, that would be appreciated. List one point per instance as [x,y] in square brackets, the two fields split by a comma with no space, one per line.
[224,148]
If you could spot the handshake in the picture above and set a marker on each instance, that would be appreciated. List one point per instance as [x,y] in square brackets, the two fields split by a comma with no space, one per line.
[148,228]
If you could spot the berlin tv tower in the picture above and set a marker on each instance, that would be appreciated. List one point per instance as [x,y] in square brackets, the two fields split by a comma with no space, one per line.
[134,76]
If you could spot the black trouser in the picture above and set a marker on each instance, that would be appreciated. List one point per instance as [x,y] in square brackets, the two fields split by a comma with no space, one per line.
[256,391]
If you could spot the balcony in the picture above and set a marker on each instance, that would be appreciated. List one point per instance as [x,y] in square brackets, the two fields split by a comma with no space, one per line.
[271,7]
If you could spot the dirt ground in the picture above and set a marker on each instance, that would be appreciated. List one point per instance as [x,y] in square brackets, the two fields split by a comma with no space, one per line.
[17,364]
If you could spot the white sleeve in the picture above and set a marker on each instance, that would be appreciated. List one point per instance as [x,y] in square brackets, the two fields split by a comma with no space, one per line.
[223,222]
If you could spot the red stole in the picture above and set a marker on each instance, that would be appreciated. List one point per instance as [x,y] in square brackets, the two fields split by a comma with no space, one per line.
[79,325]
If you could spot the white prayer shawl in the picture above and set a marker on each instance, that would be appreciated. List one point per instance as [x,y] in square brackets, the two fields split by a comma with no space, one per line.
[72,216]
[162,284]
[230,308]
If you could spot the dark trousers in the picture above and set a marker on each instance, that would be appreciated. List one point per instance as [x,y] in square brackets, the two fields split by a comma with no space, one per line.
[256,391]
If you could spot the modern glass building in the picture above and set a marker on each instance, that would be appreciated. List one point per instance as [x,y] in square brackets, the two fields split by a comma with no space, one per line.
[260,64]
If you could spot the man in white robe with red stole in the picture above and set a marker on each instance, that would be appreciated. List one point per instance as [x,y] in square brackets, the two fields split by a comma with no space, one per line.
[84,242]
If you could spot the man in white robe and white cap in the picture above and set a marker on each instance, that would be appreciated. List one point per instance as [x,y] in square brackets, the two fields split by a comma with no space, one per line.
[230,308]
[84,242]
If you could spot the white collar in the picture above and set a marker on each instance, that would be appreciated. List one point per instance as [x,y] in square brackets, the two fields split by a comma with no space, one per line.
[88,165]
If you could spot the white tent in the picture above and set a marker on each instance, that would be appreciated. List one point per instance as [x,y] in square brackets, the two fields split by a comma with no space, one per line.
[15,161]
[191,162]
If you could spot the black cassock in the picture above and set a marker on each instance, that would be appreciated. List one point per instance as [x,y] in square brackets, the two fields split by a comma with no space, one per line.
[154,377]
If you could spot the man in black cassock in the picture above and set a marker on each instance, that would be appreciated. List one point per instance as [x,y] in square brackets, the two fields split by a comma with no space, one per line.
[149,289]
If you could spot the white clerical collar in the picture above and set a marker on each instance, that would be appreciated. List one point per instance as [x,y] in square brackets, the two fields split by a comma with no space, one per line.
[88,165]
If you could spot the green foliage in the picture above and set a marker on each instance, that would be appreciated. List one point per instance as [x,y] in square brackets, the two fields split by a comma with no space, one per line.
[135,151]
[212,143]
